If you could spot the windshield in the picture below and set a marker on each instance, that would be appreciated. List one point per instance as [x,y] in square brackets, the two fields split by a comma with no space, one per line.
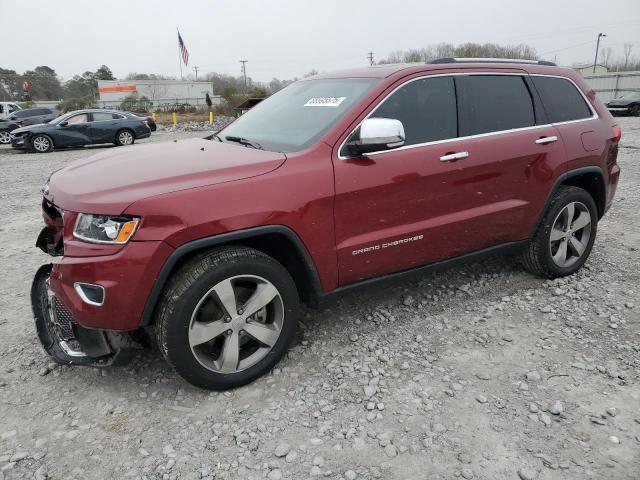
[630,96]
[295,117]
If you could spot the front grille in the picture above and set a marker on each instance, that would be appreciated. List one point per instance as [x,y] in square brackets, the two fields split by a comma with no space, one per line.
[63,320]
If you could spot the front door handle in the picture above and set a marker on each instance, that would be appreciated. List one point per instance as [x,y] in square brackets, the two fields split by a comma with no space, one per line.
[454,156]
[545,140]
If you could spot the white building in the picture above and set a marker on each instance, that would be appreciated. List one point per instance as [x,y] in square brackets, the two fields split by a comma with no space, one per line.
[161,93]
[588,69]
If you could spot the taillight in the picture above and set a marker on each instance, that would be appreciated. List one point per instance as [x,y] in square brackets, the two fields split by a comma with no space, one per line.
[617,133]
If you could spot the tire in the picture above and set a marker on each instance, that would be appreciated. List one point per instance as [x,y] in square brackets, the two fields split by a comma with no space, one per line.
[5,137]
[125,137]
[192,295]
[41,143]
[635,110]
[45,328]
[543,255]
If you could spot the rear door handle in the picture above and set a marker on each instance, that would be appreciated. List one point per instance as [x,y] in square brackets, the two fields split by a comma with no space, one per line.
[545,140]
[454,156]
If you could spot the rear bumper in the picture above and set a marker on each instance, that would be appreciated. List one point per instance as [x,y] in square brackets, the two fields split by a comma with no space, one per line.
[126,277]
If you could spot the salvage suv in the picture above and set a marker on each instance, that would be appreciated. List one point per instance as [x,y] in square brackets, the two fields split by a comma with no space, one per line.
[332,183]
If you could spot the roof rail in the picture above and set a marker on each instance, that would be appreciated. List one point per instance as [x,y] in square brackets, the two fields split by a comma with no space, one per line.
[491,60]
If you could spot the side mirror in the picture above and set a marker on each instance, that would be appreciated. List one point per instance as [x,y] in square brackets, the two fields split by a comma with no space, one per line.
[376,134]
[63,124]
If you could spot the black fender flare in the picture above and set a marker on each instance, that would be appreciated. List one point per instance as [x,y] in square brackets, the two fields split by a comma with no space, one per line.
[559,181]
[222,239]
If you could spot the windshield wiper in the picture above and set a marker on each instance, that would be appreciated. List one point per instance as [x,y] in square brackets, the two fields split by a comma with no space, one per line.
[244,141]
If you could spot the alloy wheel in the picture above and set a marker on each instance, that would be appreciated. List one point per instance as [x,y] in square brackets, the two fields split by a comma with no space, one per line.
[125,138]
[236,324]
[570,234]
[41,144]
[5,137]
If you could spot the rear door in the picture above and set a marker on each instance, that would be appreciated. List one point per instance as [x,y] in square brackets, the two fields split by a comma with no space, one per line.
[514,156]
[103,127]
[574,118]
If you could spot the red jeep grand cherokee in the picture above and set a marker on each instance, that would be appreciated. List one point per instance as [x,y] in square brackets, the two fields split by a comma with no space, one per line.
[331,183]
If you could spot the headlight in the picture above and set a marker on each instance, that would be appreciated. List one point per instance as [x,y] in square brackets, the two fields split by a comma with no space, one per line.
[104,228]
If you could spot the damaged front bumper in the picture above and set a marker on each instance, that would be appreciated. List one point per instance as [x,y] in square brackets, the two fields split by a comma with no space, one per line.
[67,342]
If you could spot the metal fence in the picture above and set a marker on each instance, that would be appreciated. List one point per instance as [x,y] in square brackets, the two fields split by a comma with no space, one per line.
[612,85]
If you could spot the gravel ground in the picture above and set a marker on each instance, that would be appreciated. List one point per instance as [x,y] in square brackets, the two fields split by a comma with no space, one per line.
[482,372]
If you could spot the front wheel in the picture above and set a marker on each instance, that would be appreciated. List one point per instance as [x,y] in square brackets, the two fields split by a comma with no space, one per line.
[5,137]
[42,143]
[564,239]
[227,317]
[125,137]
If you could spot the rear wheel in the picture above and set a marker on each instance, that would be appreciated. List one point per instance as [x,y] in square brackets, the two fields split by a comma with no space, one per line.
[565,236]
[635,110]
[125,137]
[42,143]
[5,137]
[227,317]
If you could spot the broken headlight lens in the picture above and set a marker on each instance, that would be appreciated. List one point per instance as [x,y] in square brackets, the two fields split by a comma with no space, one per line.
[105,228]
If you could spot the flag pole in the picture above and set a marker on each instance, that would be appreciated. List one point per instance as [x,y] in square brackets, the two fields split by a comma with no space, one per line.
[179,57]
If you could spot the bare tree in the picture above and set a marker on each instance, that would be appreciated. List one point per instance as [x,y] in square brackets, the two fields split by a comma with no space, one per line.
[441,50]
[627,53]
[606,56]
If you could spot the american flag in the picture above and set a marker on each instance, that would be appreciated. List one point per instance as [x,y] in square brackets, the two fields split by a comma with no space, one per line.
[183,50]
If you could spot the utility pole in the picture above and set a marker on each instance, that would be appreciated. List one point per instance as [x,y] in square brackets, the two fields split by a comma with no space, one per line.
[370,57]
[595,62]
[195,69]
[243,69]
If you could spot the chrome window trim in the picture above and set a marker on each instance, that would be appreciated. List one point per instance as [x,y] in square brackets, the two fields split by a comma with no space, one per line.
[468,137]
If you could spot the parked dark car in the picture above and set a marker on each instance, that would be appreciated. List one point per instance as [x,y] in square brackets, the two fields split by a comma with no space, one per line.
[23,118]
[82,127]
[628,104]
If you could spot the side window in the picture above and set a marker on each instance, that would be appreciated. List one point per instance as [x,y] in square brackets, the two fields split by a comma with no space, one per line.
[491,103]
[426,108]
[100,116]
[561,99]
[117,116]
[77,119]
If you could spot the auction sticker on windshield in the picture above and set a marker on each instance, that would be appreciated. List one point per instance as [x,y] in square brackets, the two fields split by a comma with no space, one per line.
[324,101]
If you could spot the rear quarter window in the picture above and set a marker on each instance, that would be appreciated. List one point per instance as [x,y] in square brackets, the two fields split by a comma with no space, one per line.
[492,103]
[561,99]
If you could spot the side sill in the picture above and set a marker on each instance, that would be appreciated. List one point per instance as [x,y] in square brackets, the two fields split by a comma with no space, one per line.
[505,248]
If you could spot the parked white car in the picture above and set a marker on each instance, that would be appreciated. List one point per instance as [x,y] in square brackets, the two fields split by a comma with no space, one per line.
[7,108]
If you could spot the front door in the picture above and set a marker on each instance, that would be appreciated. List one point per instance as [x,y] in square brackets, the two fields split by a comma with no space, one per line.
[74,132]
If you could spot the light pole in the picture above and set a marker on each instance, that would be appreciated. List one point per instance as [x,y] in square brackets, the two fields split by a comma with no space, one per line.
[595,62]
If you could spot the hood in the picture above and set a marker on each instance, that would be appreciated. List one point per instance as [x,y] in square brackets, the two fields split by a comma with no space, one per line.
[107,183]
[28,128]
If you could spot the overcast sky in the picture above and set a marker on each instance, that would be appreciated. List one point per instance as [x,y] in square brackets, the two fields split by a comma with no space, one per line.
[287,38]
